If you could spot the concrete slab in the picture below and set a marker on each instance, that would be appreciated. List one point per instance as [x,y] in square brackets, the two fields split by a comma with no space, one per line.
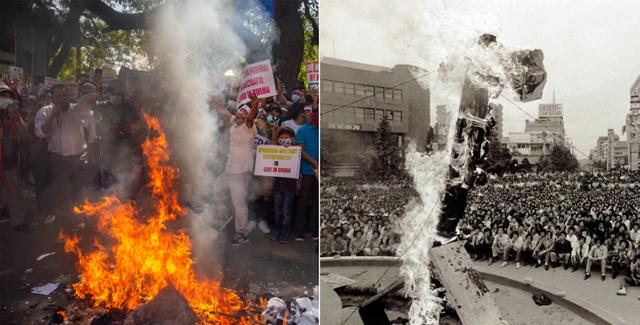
[466,290]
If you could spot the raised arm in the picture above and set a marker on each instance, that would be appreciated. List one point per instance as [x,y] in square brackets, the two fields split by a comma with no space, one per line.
[216,103]
[255,102]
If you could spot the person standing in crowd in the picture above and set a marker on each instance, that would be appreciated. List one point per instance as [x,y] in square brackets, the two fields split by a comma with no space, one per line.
[63,125]
[12,130]
[284,189]
[239,166]
[295,117]
[308,138]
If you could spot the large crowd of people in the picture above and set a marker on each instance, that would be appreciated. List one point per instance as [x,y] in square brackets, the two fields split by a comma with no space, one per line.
[358,215]
[69,145]
[574,221]
[577,221]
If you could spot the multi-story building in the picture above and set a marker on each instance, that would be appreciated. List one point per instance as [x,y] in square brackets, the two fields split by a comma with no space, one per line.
[611,151]
[355,97]
[632,126]
[539,135]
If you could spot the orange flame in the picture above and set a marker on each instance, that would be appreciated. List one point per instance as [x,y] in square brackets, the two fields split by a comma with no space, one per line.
[145,256]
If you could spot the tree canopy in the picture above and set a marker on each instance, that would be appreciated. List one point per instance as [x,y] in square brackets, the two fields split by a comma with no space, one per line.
[111,33]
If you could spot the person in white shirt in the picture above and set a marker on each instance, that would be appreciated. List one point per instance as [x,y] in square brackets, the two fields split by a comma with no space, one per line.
[296,117]
[239,166]
[63,124]
[597,254]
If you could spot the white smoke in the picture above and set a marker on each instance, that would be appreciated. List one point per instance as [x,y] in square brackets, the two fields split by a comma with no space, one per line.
[195,42]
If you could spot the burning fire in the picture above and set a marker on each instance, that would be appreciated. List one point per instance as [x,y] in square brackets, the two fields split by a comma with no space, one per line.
[145,256]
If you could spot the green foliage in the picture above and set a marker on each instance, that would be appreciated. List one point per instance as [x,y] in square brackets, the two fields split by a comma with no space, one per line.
[388,160]
[310,50]
[559,160]
[499,158]
[112,49]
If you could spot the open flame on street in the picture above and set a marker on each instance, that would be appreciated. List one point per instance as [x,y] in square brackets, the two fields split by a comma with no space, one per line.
[144,256]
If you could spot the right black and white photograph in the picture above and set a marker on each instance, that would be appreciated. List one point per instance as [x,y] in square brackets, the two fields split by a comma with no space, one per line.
[480,162]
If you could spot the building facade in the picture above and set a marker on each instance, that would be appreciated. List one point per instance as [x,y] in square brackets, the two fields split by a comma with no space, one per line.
[355,97]
[539,135]
[632,126]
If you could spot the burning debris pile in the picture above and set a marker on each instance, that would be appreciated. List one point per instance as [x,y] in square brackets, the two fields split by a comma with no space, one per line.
[144,256]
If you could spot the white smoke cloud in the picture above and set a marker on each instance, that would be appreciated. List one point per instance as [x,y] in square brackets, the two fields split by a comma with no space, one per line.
[195,42]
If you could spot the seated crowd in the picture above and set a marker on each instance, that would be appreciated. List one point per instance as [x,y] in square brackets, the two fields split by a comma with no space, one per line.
[552,220]
[358,216]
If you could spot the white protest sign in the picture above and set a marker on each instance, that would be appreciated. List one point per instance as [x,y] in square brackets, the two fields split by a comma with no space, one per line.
[257,78]
[49,82]
[15,73]
[278,161]
[313,74]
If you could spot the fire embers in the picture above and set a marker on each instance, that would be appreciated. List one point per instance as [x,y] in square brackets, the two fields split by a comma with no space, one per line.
[145,256]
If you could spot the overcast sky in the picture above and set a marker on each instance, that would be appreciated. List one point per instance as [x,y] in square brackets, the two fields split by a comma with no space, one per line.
[592,48]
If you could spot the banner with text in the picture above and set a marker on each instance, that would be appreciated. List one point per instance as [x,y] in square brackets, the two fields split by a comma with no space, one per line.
[257,78]
[278,161]
[313,74]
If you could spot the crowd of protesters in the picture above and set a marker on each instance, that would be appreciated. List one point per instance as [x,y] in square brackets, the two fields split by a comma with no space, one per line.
[285,207]
[575,221]
[68,148]
[358,215]
[588,221]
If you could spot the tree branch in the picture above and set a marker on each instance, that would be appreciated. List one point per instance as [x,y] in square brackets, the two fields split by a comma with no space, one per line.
[314,23]
[117,20]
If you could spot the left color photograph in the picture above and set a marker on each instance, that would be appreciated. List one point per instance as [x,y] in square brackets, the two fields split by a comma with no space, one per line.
[159,162]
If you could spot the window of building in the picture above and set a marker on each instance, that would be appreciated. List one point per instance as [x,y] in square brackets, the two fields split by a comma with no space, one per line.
[368,90]
[397,116]
[380,92]
[338,87]
[359,90]
[388,94]
[349,88]
[379,114]
[390,115]
[359,113]
[327,85]
[348,113]
[397,94]
[369,114]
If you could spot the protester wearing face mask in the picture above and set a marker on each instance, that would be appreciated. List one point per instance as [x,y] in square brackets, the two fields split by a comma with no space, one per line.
[239,166]
[284,189]
[63,124]
[12,130]
[297,96]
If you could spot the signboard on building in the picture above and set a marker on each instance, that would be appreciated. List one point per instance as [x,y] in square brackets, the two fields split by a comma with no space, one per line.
[344,126]
[257,78]
[278,161]
[550,110]
[313,74]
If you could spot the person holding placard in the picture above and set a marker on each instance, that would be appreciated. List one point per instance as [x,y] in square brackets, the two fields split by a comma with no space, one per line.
[284,189]
[237,173]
